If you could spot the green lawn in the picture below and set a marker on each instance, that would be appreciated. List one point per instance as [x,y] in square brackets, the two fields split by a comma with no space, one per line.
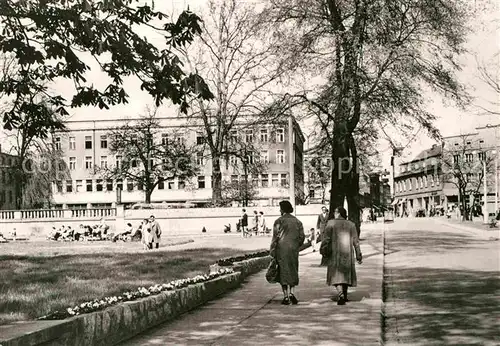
[46,276]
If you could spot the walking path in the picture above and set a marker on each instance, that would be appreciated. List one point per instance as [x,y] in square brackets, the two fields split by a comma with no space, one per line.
[253,315]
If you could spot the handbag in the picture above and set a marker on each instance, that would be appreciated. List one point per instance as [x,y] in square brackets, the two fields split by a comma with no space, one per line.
[273,272]
[326,249]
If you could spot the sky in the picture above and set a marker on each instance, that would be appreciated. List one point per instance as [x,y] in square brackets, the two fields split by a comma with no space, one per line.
[484,43]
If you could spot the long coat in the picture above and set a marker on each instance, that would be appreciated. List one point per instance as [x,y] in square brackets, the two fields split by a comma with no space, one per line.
[155,232]
[321,224]
[288,236]
[341,236]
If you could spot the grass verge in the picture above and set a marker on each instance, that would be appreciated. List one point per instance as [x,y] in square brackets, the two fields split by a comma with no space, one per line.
[33,285]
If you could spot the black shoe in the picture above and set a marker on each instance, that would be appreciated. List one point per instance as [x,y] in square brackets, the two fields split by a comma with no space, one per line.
[293,299]
[285,301]
[341,299]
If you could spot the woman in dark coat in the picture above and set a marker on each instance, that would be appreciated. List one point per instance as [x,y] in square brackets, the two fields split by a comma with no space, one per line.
[288,236]
[341,241]
[320,226]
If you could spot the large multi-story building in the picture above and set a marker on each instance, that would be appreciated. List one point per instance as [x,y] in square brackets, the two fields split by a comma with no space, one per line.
[470,150]
[426,181]
[417,183]
[86,144]
[7,182]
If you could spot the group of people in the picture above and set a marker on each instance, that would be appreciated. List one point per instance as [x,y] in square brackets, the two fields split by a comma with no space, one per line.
[148,232]
[339,248]
[83,232]
[258,225]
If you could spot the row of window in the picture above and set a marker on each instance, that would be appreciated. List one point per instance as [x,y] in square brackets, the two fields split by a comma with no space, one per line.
[88,185]
[200,160]
[248,135]
[417,183]
[469,157]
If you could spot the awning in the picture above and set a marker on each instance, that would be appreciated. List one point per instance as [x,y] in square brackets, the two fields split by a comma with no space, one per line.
[396,201]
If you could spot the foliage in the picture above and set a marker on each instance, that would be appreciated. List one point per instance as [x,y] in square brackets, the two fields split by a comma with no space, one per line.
[145,157]
[376,59]
[318,171]
[50,41]
[236,55]
[229,261]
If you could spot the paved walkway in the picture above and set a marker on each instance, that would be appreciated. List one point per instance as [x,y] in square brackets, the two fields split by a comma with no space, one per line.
[253,315]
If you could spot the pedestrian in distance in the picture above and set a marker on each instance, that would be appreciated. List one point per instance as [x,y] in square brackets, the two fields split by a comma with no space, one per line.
[244,224]
[262,223]
[255,222]
[155,231]
[320,226]
[341,247]
[288,236]
[147,237]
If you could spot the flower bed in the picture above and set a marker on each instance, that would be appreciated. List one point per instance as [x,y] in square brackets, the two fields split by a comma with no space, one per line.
[100,304]
[226,262]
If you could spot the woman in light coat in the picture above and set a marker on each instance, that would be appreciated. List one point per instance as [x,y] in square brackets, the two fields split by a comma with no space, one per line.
[147,236]
[288,236]
[262,223]
[339,245]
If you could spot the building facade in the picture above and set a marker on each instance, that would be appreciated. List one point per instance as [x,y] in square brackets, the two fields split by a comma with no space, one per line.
[418,185]
[7,182]
[86,146]
[477,151]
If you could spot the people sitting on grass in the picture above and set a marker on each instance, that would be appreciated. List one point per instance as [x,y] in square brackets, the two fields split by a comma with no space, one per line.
[123,235]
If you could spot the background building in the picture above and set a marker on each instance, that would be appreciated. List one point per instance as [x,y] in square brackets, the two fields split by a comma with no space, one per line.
[7,183]
[417,183]
[86,146]
[481,144]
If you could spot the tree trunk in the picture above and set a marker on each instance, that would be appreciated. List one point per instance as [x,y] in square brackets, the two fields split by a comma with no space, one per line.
[148,192]
[216,181]
[341,170]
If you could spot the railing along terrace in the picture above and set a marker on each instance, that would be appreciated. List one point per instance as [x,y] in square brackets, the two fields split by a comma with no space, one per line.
[6,214]
[94,212]
[42,214]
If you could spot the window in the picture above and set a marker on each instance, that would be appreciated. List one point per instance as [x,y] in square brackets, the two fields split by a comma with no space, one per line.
[57,143]
[265,180]
[468,142]
[275,180]
[88,162]
[280,135]
[199,138]
[134,163]
[89,185]
[410,183]
[456,158]
[250,158]
[72,143]
[469,157]
[171,185]
[79,186]
[264,156]
[72,163]
[59,186]
[88,142]
[481,141]
[284,181]
[249,135]
[432,180]
[425,181]
[234,178]
[470,176]
[311,193]
[233,136]
[164,139]
[99,186]
[104,162]
[199,159]
[255,181]
[180,141]
[161,184]
[182,184]
[104,142]
[140,187]
[118,161]
[119,184]
[264,136]
[280,156]
[201,182]
[481,156]
[69,186]
[130,185]
[109,185]
[233,160]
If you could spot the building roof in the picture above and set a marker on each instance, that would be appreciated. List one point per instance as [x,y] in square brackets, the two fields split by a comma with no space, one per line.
[433,151]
